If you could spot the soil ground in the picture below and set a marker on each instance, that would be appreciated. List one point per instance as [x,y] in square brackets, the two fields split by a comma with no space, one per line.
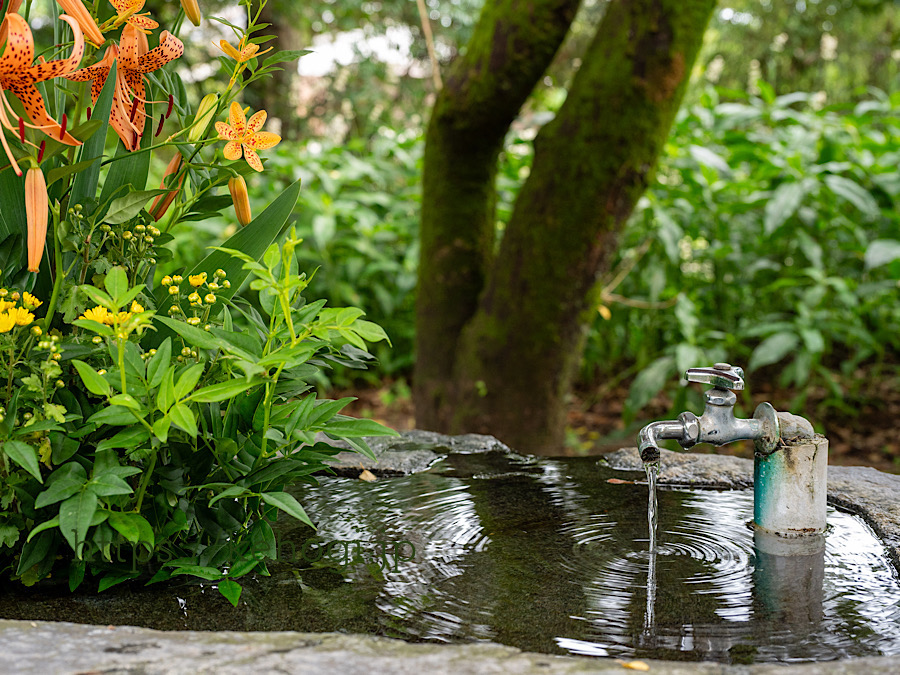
[867,437]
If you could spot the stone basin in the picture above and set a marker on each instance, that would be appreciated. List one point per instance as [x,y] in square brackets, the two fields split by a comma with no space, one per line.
[49,647]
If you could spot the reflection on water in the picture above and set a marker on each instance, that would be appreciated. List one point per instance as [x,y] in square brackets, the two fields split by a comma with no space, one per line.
[544,555]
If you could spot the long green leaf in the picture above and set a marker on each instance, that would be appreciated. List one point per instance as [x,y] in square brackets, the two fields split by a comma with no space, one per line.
[128,168]
[287,503]
[85,185]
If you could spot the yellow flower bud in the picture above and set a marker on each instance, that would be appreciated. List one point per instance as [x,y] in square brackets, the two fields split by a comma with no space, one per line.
[192,11]
[237,186]
[166,280]
[205,112]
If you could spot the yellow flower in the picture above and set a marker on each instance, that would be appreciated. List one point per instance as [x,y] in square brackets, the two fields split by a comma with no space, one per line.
[21,316]
[30,301]
[244,136]
[136,308]
[244,52]
[197,280]
[7,322]
[98,314]
[121,317]
[6,304]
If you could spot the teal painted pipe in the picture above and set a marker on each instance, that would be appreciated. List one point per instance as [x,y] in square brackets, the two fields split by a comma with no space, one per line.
[790,488]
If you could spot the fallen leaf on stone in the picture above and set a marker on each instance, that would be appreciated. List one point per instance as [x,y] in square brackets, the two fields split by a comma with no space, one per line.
[619,481]
[367,476]
[633,665]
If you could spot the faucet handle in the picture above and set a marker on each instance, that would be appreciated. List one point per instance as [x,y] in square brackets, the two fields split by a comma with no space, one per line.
[720,376]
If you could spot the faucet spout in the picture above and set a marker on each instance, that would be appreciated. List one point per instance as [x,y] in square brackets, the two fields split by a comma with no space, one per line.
[654,432]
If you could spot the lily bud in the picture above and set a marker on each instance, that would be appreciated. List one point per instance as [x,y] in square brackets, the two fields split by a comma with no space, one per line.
[237,186]
[204,116]
[192,11]
[162,203]
[37,209]
[77,10]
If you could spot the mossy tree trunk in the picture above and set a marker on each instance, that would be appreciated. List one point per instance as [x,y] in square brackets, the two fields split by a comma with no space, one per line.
[500,330]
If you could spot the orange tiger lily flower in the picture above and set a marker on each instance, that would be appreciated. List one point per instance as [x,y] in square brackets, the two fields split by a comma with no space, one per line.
[127,11]
[128,114]
[18,76]
[244,137]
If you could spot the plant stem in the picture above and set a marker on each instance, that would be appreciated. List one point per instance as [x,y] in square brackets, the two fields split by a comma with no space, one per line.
[57,281]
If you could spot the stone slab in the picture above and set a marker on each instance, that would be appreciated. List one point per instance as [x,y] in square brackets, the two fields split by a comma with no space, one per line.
[47,648]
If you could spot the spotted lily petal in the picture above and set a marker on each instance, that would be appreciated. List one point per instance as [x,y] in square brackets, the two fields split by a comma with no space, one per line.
[237,118]
[262,140]
[18,76]
[256,121]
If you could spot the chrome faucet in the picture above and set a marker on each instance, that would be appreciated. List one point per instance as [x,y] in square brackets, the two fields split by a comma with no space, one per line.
[717,425]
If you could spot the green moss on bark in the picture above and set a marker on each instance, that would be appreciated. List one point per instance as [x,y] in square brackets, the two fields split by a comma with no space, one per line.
[514,356]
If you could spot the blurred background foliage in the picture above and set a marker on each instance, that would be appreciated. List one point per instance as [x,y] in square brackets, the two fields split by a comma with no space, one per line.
[769,238]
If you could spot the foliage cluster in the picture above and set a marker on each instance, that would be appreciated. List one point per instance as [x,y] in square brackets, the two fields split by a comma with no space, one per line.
[769,238]
[153,427]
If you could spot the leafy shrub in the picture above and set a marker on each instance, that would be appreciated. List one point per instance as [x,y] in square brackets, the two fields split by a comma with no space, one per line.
[768,240]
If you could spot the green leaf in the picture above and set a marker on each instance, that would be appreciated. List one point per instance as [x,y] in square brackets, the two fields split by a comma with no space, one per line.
[25,456]
[85,184]
[881,252]
[107,485]
[854,193]
[114,415]
[161,428]
[132,526]
[188,380]
[209,573]
[115,578]
[130,437]
[772,349]
[287,503]
[158,363]
[649,382]
[184,418]
[67,170]
[92,379]
[223,390]
[126,401]
[46,525]
[783,204]
[127,168]
[231,590]
[165,397]
[75,515]
[352,427]
[116,284]
[125,208]
[233,491]
[62,484]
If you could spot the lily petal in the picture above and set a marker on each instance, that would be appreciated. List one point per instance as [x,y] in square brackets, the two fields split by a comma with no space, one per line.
[256,121]
[232,150]
[262,140]
[19,52]
[226,133]
[170,48]
[253,159]
[237,118]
